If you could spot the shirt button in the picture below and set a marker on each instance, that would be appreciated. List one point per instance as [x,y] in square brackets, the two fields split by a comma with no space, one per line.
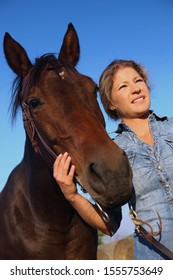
[159,167]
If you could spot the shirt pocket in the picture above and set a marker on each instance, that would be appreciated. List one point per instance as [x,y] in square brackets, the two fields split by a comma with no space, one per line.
[142,170]
[169,140]
[139,159]
[167,150]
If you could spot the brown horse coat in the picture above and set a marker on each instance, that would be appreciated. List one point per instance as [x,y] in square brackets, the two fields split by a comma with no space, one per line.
[61,113]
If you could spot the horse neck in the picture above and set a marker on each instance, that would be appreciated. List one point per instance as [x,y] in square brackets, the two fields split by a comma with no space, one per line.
[45,196]
[35,164]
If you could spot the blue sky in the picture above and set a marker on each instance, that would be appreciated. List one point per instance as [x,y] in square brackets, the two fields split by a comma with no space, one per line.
[141,30]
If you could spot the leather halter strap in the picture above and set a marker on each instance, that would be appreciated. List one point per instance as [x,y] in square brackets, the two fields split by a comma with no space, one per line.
[149,237]
[32,131]
[30,125]
[151,240]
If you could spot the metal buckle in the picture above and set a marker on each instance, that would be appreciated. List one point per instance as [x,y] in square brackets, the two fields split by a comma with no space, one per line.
[103,213]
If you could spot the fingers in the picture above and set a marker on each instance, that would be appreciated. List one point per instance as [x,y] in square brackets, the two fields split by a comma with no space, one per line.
[62,171]
[71,172]
[63,174]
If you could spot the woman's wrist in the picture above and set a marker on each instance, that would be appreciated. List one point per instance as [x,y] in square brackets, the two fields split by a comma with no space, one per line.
[71,197]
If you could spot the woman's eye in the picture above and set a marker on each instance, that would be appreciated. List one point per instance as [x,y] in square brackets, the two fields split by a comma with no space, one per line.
[122,86]
[139,80]
[34,103]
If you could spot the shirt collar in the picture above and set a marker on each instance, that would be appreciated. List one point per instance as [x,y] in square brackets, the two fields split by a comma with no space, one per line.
[123,127]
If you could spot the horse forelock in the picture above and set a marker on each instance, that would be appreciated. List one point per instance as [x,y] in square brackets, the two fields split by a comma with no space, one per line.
[46,61]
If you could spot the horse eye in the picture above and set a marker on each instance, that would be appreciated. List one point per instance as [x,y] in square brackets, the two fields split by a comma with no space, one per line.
[34,103]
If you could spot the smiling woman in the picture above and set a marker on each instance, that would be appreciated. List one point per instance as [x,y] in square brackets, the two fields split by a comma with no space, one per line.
[147,140]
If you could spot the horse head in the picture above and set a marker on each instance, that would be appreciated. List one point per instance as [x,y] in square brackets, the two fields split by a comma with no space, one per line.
[61,113]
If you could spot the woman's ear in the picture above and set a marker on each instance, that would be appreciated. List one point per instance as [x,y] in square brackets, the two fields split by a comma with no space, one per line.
[111,107]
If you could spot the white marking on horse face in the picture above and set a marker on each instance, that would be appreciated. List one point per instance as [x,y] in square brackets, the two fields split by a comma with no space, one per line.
[62,75]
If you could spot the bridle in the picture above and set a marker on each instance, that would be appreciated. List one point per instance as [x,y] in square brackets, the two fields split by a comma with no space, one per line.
[33,133]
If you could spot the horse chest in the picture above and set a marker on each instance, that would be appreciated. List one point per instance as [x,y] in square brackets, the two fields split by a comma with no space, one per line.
[29,240]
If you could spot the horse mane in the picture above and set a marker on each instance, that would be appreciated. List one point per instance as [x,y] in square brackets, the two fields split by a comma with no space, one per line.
[40,63]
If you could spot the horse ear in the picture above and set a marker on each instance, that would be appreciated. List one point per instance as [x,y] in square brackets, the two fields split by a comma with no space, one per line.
[70,48]
[16,56]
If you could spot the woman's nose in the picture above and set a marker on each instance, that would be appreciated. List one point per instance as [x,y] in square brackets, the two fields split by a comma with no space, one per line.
[135,88]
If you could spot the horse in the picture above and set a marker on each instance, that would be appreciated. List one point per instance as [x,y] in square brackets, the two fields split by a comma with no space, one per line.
[60,113]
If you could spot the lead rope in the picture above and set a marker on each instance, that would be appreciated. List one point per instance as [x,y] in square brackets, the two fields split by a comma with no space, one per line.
[149,236]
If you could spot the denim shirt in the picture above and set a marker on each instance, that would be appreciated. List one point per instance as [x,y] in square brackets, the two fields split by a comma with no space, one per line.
[152,180]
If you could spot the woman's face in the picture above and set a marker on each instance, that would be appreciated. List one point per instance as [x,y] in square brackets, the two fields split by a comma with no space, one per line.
[130,94]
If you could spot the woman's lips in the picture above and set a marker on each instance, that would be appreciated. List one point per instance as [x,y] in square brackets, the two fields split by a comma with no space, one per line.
[136,100]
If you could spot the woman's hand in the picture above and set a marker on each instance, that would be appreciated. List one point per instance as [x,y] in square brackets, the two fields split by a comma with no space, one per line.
[63,174]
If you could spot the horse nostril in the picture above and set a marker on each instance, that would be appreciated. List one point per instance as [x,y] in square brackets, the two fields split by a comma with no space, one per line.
[96,178]
[93,171]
